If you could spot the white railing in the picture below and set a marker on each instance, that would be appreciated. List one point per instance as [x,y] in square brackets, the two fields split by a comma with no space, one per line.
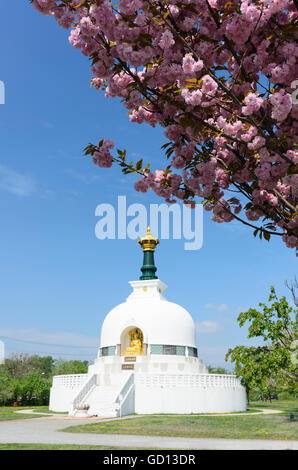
[122,400]
[78,399]
[194,380]
[70,381]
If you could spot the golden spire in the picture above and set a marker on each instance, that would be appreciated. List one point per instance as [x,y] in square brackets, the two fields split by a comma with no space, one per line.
[148,243]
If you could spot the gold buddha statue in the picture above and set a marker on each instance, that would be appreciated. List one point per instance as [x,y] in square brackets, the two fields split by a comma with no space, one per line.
[136,343]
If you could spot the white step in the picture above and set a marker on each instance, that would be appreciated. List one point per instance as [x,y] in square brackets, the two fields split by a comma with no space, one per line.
[101,401]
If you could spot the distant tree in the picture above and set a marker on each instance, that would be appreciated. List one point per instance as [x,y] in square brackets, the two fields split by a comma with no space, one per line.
[46,365]
[28,378]
[263,367]
[217,370]
[6,388]
[70,367]
[20,364]
[34,388]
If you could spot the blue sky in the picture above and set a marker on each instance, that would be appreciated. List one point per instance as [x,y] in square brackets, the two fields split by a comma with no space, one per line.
[57,280]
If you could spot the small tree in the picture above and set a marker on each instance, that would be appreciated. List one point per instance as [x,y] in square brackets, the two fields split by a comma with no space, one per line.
[260,367]
[256,367]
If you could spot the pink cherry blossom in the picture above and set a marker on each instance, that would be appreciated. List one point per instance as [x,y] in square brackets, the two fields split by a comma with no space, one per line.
[167,40]
[217,77]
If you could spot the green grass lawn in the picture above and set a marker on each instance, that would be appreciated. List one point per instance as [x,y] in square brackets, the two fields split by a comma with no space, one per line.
[276,426]
[45,409]
[7,413]
[59,447]
[287,406]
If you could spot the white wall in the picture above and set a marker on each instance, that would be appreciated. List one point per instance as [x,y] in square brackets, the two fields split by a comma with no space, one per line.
[64,389]
[61,398]
[186,400]
[193,393]
[149,364]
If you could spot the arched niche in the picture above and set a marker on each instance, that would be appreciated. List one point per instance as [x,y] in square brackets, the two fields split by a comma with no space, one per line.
[126,340]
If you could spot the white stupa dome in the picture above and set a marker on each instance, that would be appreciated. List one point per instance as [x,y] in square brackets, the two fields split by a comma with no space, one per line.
[162,322]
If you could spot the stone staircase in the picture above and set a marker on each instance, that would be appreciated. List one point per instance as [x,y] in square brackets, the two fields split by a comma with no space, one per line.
[101,398]
[102,401]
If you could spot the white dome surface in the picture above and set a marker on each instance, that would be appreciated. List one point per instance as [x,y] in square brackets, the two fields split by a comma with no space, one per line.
[162,322]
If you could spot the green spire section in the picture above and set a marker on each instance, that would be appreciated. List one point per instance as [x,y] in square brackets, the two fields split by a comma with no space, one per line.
[148,245]
[148,269]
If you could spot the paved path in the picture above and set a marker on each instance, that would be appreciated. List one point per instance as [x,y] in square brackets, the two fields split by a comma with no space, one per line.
[264,411]
[30,411]
[44,431]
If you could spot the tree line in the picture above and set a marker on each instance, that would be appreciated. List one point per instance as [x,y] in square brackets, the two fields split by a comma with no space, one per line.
[26,379]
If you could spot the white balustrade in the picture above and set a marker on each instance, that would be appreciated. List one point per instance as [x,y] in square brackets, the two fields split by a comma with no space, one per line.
[122,400]
[69,381]
[193,381]
[84,391]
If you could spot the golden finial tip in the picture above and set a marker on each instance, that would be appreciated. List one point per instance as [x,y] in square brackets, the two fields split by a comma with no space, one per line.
[148,243]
